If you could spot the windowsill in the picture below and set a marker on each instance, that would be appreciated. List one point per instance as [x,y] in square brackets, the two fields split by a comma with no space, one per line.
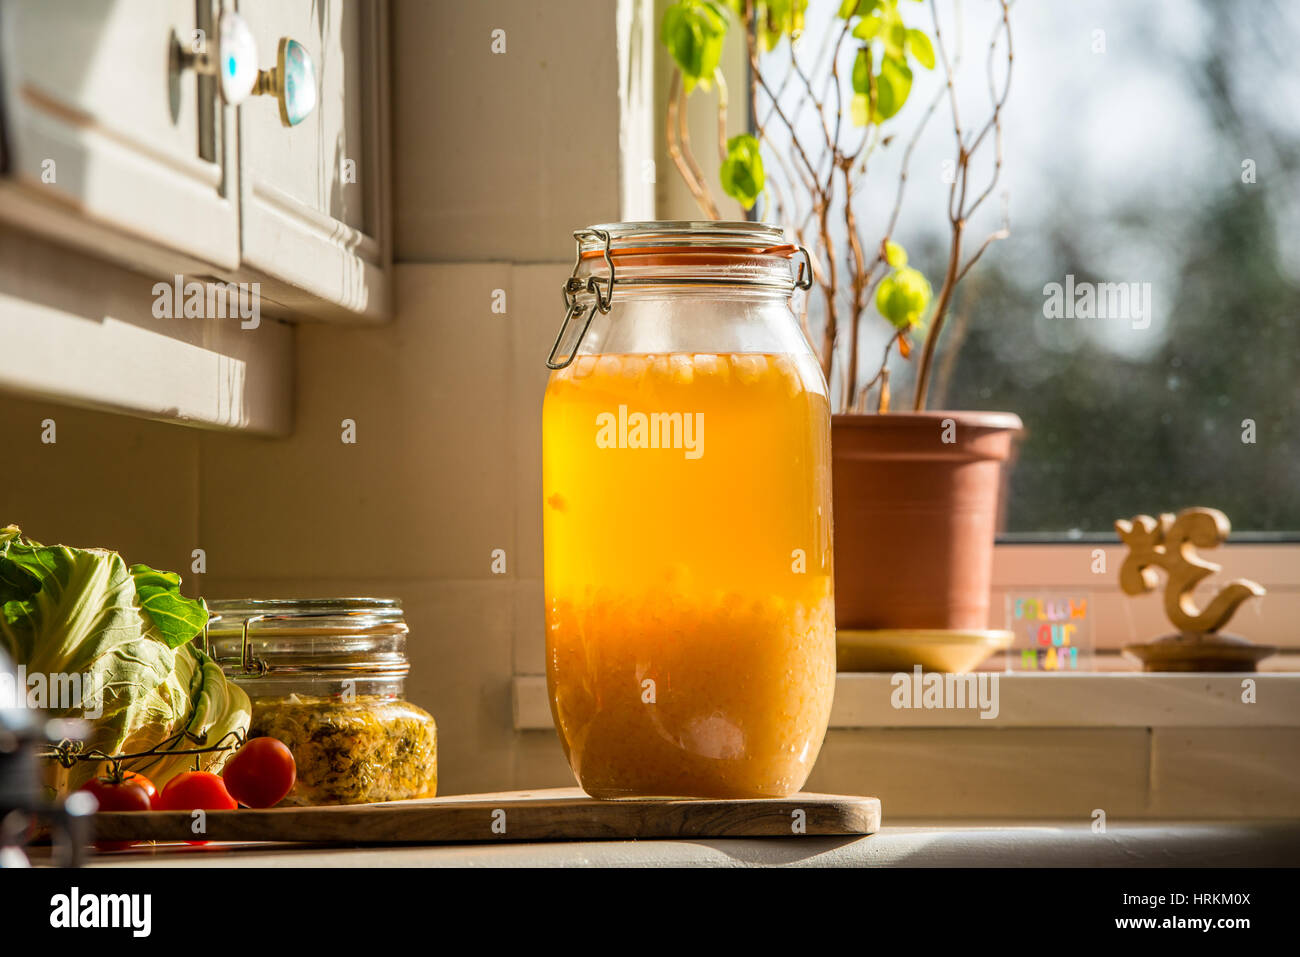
[1092,700]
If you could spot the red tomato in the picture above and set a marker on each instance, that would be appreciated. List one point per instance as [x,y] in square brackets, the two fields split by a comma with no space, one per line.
[117,796]
[191,790]
[261,773]
[135,777]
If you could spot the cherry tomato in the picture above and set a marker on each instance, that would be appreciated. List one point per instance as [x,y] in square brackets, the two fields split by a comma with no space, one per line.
[118,796]
[261,773]
[135,777]
[194,790]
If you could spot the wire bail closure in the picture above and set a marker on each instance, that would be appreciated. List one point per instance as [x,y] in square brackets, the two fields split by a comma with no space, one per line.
[603,290]
[804,279]
[573,287]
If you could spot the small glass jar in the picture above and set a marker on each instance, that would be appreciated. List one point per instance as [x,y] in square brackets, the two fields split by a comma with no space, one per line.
[326,677]
[687,516]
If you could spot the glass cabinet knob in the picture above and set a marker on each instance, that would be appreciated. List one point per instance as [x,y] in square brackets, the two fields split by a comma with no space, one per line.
[292,81]
[233,60]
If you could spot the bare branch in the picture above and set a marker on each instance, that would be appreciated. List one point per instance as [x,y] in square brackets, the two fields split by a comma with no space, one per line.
[958,212]
[835,81]
[721,81]
[812,98]
[679,148]
[998,101]
[989,240]
[794,134]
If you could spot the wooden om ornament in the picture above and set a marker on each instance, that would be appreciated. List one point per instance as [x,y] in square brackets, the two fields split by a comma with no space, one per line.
[1170,543]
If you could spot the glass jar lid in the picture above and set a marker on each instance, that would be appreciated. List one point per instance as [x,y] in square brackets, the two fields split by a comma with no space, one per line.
[315,637]
[687,253]
[683,234]
[680,254]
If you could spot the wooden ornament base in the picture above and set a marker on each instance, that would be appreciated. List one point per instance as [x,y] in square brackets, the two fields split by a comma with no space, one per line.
[1199,651]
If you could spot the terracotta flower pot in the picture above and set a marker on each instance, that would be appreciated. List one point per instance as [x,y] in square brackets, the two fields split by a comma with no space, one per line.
[916,505]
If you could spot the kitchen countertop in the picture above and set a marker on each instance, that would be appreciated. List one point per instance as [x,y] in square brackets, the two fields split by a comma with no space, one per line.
[952,844]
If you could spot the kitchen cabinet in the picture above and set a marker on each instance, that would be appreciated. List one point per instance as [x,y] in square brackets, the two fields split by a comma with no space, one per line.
[315,196]
[132,164]
[115,142]
[129,164]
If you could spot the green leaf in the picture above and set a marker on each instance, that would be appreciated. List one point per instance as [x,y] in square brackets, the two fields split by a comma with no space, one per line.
[780,18]
[859,8]
[742,171]
[862,72]
[692,31]
[918,44]
[895,33]
[893,85]
[17,583]
[895,254]
[868,28]
[213,707]
[172,617]
[903,296]
[860,109]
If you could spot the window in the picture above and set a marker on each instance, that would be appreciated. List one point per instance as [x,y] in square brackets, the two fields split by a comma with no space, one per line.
[1143,317]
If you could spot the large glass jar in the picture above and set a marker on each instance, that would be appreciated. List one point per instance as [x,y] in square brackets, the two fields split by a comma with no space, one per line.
[325,676]
[687,501]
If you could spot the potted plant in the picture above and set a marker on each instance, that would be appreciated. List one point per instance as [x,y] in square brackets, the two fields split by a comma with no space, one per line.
[916,491]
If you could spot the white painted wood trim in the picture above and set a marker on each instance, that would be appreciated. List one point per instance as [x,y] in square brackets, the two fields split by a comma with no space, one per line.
[1094,700]
[638,35]
[80,331]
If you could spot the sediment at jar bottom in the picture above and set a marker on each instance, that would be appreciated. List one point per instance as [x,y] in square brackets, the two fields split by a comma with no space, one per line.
[662,697]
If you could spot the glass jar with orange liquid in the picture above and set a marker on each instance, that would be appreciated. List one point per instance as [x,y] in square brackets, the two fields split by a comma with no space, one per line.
[687,514]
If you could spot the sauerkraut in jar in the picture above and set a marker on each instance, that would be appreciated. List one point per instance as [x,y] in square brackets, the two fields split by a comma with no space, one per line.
[687,516]
[326,676]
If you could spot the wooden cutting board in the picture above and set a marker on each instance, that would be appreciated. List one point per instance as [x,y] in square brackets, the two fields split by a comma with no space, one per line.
[559,814]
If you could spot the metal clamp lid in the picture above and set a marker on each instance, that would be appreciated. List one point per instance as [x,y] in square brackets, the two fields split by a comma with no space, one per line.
[603,289]
[574,286]
[375,650]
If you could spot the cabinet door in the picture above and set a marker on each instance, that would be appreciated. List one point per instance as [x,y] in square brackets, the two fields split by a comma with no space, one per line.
[106,143]
[314,216]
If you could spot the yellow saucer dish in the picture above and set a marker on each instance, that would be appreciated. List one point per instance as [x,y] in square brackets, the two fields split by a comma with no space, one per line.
[899,649]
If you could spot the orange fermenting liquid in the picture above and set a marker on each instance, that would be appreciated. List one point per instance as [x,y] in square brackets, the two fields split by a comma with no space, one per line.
[690,621]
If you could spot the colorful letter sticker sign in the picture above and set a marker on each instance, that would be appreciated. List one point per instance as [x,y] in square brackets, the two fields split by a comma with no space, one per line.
[1053,632]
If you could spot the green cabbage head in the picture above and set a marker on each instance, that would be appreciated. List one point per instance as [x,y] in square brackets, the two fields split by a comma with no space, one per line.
[127,632]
